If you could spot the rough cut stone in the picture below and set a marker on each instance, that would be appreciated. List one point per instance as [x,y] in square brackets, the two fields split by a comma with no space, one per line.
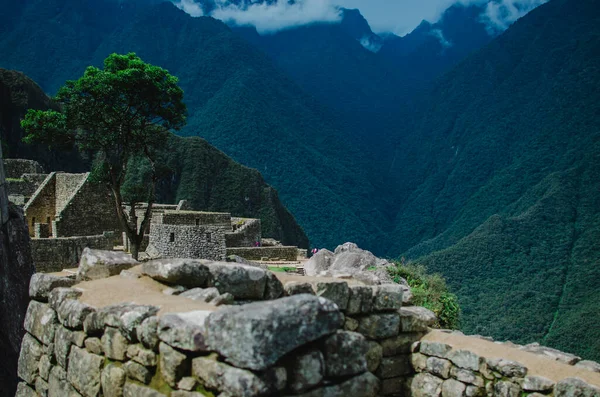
[184,331]
[537,383]
[306,371]
[273,287]
[147,332]
[133,318]
[394,387]
[72,313]
[418,361]
[141,355]
[230,380]
[361,299]
[114,344]
[173,364]
[387,297]
[58,295]
[426,385]
[318,263]
[271,329]
[183,393]
[416,319]
[243,282]
[575,387]
[337,292]
[589,365]
[350,324]
[40,321]
[187,272]
[137,371]
[174,290]
[392,367]
[41,284]
[465,359]
[201,294]
[511,369]
[439,366]
[223,299]
[41,387]
[44,366]
[113,380]
[188,383]
[467,376]
[125,316]
[435,349]
[62,345]
[31,353]
[94,345]
[345,354]
[58,386]
[474,391]
[84,371]
[135,390]
[400,344]
[506,389]
[554,354]
[365,385]
[296,288]
[453,388]
[373,356]
[25,391]
[379,326]
[97,264]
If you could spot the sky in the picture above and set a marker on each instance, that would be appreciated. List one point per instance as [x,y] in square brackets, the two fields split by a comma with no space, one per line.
[395,16]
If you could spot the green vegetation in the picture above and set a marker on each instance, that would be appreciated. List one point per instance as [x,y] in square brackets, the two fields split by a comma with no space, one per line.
[120,114]
[430,291]
[284,269]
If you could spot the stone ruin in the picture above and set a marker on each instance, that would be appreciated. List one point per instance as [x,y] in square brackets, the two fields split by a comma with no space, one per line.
[191,328]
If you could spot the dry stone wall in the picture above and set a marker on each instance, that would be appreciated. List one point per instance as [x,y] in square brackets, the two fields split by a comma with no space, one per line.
[55,254]
[188,241]
[246,233]
[259,253]
[42,206]
[15,168]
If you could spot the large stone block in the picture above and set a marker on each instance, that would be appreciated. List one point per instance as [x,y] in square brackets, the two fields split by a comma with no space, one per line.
[135,390]
[201,294]
[137,371]
[237,382]
[241,281]
[426,385]
[345,354]
[173,364]
[467,376]
[84,371]
[360,300]
[374,355]
[416,319]
[28,364]
[41,321]
[439,366]
[508,368]
[379,326]
[465,359]
[187,272]
[297,288]
[113,379]
[114,344]
[257,335]
[453,388]
[537,383]
[58,295]
[336,291]
[435,349]
[41,284]
[62,345]
[142,355]
[306,371]
[184,331]
[387,297]
[97,264]
[125,316]
[506,389]
[25,391]
[72,313]
[575,387]
[58,386]
[147,332]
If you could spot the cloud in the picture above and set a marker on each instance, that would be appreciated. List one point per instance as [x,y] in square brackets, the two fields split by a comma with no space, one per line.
[280,15]
[190,7]
[438,34]
[499,15]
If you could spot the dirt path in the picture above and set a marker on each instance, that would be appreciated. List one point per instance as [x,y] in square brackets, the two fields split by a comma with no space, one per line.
[537,365]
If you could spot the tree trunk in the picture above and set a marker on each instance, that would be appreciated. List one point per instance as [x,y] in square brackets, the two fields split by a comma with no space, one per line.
[135,249]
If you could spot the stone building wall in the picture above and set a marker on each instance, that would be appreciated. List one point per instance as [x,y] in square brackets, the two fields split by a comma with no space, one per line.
[189,241]
[15,168]
[55,254]
[67,186]
[41,208]
[246,232]
[258,253]
[26,185]
[193,218]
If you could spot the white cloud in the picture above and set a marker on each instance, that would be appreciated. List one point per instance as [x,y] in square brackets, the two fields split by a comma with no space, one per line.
[190,7]
[499,15]
[279,15]
[438,34]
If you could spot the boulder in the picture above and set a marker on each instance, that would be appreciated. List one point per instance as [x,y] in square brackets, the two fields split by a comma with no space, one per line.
[112,380]
[589,365]
[97,264]
[201,294]
[41,284]
[271,329]
[318,263]
[94,345]
[453,388]
[416,319]
[184,331]
[506,389]
[125,316]
[467,376]
[274,287]
[537,383]
[242,281]
[435,349]
[553,354]
[465,359]
[306,371]
[575,387]
[237,382]
[187,272]
[439,366]
[62,345]
[345,354]
[400,344]
[297,288]
[426,385]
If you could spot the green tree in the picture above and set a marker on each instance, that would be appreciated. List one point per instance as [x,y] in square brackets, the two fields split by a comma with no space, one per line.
[121,115]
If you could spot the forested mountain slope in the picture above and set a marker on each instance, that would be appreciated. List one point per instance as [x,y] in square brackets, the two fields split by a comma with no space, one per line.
[502,181]
[195,170]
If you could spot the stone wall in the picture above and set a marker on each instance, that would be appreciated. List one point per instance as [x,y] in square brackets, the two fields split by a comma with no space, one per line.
[67,186]
[450,372]
[184,241]
[26,185]
[246,232]
[42,206]
[259,253]
[15,168]
[195,218]
[55,254]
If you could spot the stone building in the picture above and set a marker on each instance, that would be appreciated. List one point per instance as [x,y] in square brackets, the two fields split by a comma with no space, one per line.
[23,178]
